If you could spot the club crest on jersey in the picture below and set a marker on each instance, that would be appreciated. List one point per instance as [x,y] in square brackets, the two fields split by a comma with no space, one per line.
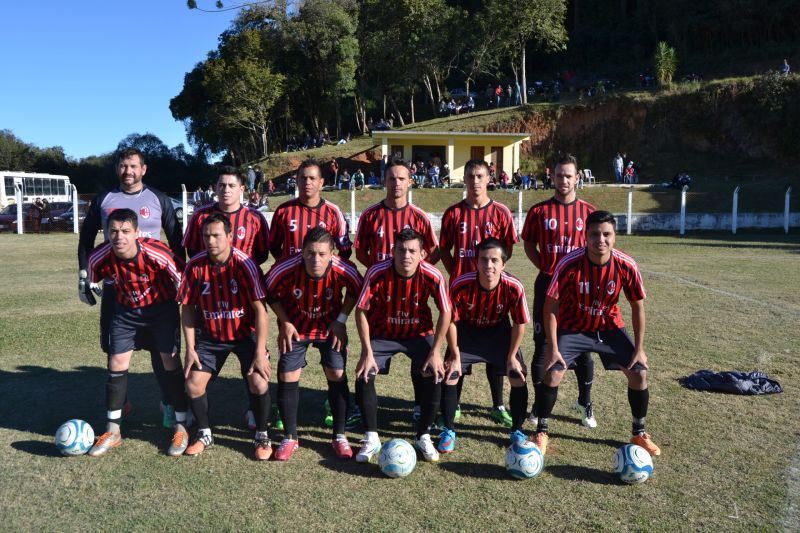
[488,228]
[611,287]
[322,224]
[144,212]
[329,294]
[298,293]
[579,224]
[241,232]
[234,286]
[144,278]
[470,306]
[498,308]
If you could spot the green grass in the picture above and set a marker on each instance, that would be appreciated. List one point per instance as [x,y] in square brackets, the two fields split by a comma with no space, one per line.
[713,302]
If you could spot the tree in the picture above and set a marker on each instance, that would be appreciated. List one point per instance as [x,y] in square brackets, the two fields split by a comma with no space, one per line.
[541,22]
[665,61]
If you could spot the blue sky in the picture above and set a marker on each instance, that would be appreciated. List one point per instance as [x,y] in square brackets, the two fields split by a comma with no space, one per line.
[84,74]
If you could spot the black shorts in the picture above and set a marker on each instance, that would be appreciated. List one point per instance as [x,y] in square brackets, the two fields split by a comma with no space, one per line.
[539,294]
[296,358]
[615,348]
[155,327]
[416,349]
[213,353]
[108,301]
[486,345]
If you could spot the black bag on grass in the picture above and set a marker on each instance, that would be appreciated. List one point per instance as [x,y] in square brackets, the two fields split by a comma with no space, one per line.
[732,382]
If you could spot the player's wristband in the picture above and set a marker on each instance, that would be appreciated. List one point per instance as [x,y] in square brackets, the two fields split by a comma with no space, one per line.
[342,318]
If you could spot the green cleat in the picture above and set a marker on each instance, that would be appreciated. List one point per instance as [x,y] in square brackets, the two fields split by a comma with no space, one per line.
[501,416]
[328,421]
[277,416]
[354,420]
[167,416]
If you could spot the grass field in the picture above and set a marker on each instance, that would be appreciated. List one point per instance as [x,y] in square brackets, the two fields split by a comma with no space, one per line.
[728,462]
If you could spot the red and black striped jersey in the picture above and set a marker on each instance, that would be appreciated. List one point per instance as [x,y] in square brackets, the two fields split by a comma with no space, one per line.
[250,231]
[464,227]
[482,308]
[397,307]
[292,220]
[378,225]
[223,294]
[312,304]
[587,293]
[147,278]
[557,229]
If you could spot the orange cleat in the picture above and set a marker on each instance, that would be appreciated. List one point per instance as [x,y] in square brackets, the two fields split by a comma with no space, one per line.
[540,440]
[644,440]
[105,442]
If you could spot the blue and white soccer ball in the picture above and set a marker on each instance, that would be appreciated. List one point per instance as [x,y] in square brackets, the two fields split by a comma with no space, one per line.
[524,460]
[74,437]
[633,464]
[397,458]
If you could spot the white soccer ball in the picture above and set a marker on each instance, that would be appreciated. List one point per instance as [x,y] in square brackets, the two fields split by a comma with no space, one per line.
[397,458]
[633,464]
[524,460]
[74,437]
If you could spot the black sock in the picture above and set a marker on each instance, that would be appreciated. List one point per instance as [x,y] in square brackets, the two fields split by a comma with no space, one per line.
[429,404]
[200,411]
[638,400]
[537,374]
[288,398]
[460,386]
[584,372]
[368,401]
[176,385]
[338,393]
[116,390]
[261,411]
[519,404]
[495,385]
[449,404]
[161,376]
[416,381]
[547,400]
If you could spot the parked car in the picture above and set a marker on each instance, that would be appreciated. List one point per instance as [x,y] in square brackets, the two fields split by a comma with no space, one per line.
[61,213]
[178,205]
[461,93]
[8,216]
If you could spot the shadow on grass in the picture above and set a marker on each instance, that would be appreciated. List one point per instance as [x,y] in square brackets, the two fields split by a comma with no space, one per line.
[582,473]
[36,447]
[476,470]
[612,443]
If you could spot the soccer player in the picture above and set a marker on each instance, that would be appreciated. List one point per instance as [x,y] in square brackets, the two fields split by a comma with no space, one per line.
[250,228]
[464,226]
[312,295]
[481,332]
[379,224]
[250,231]
[553,229]
[581,315]
[294,218]
[155,212]
[393,316]
[144,275]
[226,287]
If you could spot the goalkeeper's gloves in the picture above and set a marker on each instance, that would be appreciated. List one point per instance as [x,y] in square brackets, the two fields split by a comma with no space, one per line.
[87,290]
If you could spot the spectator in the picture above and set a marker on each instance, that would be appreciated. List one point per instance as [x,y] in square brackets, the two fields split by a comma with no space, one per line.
[498,93]
[618,165]
[433,174]
[547,180]
[358,179]
[444,176]
[442,107]
[451,107]
[785,68]
[259,178]
[489,95]
[333,170]
[210,196]
[197,197]
[470,106]
[630,173]
[492,172]
[344,180]
[46,216]
[504,179]
[384,160]
[517,94]
[373,180]
[509,95]
[270,187]
[251,178]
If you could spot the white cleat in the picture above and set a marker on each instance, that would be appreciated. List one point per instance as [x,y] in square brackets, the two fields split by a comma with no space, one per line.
[587,415]
[427,449]
[369,448]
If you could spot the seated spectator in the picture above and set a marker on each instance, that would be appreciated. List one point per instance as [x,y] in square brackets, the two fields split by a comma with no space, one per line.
[433,175]
[470,105]
[442,107]
[372,180]
[358,179]
[344,180]
[451,107]
[444,176]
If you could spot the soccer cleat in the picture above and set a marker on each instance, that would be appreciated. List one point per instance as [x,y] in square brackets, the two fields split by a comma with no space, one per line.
[643,440]
[369,448]
[425,446]
[277,414]
[263,449]
[200,445]
[286,449]
[457,416]
[328,421]
[250,420]
[533,419]
[587,415]
[180,441]
[105,442]
[342,448]
[501,416]
[354,420]
[167,416]
[447,441]
[540,440]
[518,437]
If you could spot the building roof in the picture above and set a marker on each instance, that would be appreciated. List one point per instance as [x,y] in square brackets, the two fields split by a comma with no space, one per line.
[473,134]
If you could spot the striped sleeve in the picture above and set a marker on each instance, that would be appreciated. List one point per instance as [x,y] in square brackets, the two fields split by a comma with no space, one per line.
[253,275]
[96,261]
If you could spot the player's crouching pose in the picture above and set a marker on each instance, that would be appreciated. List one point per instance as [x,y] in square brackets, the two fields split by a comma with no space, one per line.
[307,293]
[145,315]
[481,332]
[393,316]
[581,315]
[225,286]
